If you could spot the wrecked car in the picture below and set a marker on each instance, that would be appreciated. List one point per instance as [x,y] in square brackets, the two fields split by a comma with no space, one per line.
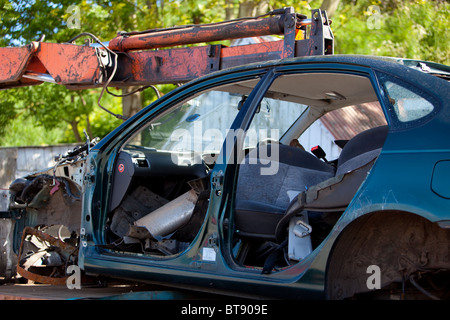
[215,186]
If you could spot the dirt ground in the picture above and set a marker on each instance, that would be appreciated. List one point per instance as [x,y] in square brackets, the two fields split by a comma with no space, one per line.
[119,291]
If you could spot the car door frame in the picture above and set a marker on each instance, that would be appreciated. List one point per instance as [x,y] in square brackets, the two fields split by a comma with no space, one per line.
[305,279]
[98,185]
[309,274]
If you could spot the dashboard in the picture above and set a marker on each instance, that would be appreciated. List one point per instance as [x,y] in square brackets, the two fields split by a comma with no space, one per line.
[135,161]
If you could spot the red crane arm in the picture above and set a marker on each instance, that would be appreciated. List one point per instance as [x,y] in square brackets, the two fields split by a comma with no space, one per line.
[136,58]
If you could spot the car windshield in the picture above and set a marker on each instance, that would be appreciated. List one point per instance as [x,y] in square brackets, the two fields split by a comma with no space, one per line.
[201,124]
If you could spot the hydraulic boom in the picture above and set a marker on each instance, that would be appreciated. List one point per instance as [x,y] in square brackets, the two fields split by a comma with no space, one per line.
[148,57]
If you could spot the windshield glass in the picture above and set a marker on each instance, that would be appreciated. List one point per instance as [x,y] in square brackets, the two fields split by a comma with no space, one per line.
[201,124]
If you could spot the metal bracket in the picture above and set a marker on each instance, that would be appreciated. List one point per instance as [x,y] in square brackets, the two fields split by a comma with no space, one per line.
[217,182]
[302,229]
[212,240]
[214,57]
[290,24]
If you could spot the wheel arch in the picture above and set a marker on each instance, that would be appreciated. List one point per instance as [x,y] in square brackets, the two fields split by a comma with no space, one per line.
[398,242]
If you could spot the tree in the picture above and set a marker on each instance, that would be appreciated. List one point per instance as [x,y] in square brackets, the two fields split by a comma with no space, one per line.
[330,6]
[24,21]
[411,29]
[59,21]
[251,8]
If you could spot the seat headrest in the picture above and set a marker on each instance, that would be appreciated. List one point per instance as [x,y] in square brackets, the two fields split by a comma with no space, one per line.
[363,142]
[288,155]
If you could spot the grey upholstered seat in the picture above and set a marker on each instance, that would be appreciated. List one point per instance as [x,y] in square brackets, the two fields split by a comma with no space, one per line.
[333,195]
[267,183]
[361,149]
[262,200]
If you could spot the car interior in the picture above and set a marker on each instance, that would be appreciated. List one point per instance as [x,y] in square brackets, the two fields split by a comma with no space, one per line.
[160,197]
[301,202]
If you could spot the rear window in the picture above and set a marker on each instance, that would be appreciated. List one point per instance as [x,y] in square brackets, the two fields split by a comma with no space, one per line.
[408,106]
[408,103]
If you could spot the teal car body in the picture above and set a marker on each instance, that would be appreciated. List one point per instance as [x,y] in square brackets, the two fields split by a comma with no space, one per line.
[404,197]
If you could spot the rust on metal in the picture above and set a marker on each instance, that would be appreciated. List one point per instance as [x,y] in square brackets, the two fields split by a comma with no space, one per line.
[54,242]
[69,63]
[62,63]
[13,63]
[184,64]
[14,60]
[46,237]
[167,66]
[38,278]
[199,34]
[258,52]
[134,58]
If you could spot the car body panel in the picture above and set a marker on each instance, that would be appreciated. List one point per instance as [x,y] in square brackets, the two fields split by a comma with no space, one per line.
[405,168]
[305,279]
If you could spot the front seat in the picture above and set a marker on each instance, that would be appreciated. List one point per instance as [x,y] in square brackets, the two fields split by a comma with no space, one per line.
[335,194]
[361,149]
[263,202]
[262,199]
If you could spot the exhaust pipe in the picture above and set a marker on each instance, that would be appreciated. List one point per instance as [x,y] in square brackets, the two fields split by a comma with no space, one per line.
[166,219]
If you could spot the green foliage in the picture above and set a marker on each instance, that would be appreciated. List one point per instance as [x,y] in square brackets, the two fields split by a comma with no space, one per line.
[409,29]
[48,113]
[8,112]
[23,131]
[54,108]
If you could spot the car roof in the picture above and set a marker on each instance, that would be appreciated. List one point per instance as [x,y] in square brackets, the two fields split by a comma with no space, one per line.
[377,62]
[420,73]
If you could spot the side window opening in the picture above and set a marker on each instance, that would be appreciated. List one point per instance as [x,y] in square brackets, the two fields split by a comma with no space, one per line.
[160,191]
[339,126]
[338,110]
